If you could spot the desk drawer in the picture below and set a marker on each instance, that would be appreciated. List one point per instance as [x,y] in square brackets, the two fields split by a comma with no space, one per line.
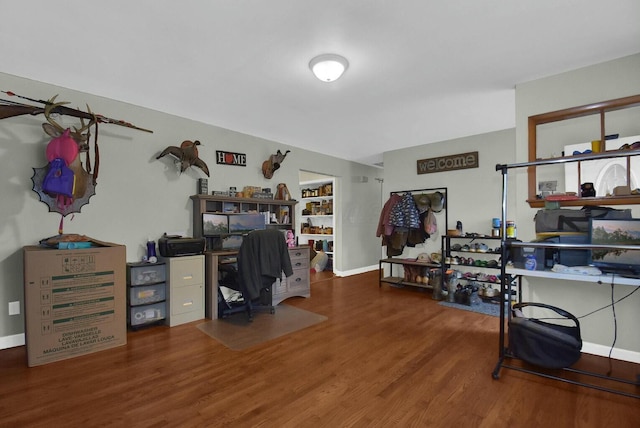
[299,258]
[299,279]
[187,299]
[186,271]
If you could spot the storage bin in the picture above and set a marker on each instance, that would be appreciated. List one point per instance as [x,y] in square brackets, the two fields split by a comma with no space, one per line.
[146,273]
[148,313]
[145,294]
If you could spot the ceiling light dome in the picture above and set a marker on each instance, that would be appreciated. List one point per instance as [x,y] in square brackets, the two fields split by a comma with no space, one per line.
[328,67]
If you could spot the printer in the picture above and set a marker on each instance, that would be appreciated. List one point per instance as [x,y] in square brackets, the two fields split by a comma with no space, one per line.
[176,246]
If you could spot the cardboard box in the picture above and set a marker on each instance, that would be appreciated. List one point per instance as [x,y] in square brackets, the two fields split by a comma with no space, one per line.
[75,301]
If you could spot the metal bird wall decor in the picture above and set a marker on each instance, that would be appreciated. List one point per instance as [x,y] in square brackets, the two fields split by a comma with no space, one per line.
[272,164]
[187,155]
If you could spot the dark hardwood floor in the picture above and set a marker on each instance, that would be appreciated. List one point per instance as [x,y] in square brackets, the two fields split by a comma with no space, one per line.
[386,357]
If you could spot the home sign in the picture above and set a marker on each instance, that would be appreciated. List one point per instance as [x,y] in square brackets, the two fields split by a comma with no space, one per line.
[231,158]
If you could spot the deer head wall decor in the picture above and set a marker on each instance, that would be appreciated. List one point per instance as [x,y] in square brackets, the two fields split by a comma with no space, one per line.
[272,164]
[80,135]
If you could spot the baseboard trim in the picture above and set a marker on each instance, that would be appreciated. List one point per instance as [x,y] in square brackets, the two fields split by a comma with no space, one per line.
[356,271]
[618,354]
[12,341]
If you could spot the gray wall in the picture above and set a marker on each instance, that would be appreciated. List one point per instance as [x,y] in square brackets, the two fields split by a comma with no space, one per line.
[138,197]
[601,82]
[474,195]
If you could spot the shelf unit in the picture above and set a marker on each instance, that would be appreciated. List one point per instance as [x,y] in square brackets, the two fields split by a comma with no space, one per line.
[504,352]
[480,267]
[407,278]
[281,214]
[317,211]
[146,294]
[412,268]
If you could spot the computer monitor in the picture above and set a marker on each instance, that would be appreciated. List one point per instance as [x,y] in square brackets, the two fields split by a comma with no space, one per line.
[245,223]
[214,224]
[616,232]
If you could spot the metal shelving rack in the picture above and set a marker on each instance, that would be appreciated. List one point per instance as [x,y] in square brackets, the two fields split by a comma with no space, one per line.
[505,316]
[396,261]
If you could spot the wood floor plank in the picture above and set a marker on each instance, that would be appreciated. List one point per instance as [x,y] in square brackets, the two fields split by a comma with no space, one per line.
[385,357]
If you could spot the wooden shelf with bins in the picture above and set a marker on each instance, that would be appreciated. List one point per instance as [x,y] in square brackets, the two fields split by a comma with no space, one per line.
[231,205]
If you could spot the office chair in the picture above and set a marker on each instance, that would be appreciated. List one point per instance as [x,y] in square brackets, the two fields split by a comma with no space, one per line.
[262,258]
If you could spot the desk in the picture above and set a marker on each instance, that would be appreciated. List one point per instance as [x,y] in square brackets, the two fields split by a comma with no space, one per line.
[212,260]
[296,285]
[604,278]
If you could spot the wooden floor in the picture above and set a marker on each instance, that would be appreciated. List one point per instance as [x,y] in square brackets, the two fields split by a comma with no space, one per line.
[386,357]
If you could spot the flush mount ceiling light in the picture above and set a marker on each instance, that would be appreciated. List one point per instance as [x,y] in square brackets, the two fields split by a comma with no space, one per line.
[328,67]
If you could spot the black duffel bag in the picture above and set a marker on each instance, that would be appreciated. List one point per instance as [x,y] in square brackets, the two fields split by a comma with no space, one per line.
[572,220]
[542,343]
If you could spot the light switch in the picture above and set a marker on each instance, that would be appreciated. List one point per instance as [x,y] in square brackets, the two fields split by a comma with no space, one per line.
[14,308]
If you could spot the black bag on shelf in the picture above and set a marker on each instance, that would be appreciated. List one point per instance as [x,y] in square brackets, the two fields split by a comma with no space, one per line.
[572,220]
[542,343]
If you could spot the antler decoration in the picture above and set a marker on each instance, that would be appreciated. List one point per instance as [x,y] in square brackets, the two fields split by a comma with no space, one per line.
[64,161]
[81,136]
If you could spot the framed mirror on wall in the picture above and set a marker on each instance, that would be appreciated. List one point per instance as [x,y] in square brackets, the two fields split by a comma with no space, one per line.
[566,136]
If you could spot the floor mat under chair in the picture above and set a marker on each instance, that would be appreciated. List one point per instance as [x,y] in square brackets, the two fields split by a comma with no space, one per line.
[237,333]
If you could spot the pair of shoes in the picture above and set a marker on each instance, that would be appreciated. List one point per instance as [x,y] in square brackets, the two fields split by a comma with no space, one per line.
[465,247]
[456,247]
[482,277]
[466,261]
[481,263]
[492,263]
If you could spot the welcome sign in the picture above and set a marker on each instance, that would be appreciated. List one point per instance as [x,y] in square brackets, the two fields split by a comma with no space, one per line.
[231,158]
[448,163]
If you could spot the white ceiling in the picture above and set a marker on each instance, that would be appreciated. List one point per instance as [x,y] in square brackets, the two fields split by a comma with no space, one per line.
[421,71]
